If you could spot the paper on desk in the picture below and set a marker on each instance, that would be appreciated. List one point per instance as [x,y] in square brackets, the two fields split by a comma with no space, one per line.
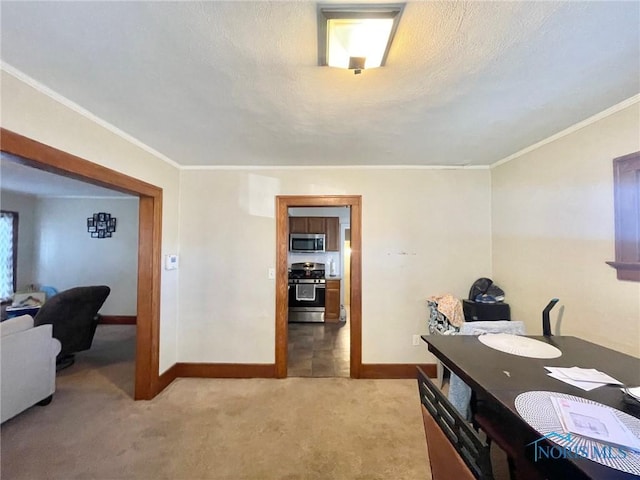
[597,422]
[586,386]
[585,378]
[589,375]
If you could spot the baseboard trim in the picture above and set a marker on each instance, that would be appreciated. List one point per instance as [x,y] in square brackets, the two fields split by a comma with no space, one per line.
[395,370]
[166,378]
[268,370]
[118,319]
[226,370]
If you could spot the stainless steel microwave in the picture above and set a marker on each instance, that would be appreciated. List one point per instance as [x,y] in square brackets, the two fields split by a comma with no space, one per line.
[306,242]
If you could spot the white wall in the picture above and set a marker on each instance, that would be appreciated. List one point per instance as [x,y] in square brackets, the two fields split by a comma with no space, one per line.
[553,230]
[25,205]
[424,232]
[33,114]
[66,256]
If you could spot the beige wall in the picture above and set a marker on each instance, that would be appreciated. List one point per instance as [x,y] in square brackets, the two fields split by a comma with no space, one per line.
[61,238]
[28,112]
[553,230]
[424,232]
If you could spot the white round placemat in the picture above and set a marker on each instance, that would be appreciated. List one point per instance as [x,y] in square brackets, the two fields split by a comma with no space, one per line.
[538,411]
[521,346]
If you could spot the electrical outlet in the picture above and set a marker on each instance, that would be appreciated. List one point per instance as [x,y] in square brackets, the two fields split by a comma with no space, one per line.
[272,274]
[416,340]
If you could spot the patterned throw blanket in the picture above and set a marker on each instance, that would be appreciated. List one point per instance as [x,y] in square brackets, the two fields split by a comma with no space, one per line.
[446,314]
[439,323]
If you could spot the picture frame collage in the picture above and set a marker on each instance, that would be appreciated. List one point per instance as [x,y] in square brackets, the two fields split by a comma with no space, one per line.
[101,225]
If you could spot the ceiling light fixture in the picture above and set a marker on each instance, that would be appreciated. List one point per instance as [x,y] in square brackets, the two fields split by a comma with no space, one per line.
[356,36]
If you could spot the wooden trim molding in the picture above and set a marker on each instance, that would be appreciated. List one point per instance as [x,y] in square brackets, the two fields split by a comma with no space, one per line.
[396,370]
[117,319]
[356,287]
[149,262]
[627,271]
[167,377]
[43,157]
[215,370]
[225,370]
[259,370]
[283,203]
[626,188]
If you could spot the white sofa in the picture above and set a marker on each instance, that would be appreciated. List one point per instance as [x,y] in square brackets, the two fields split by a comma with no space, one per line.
[27,365]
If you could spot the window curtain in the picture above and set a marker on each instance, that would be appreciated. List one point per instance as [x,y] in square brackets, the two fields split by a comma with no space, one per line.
[6,255]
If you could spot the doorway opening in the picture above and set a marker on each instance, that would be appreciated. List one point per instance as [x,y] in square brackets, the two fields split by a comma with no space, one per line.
[283,262]
[318,324]
[43,157]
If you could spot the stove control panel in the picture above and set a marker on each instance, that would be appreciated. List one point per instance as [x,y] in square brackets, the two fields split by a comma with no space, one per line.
[307,280]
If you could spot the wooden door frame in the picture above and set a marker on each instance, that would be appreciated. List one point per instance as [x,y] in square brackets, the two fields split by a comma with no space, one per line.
[43,157]
[283,203]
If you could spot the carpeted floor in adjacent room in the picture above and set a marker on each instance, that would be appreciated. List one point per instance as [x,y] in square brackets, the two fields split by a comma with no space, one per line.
[262,429]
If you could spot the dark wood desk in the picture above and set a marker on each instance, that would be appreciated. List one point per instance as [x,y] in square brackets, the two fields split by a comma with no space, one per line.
[483,369]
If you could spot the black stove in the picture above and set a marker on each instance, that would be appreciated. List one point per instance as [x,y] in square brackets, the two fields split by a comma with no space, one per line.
[306,292]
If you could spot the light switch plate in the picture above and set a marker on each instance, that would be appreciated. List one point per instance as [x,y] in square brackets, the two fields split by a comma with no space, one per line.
[271,274]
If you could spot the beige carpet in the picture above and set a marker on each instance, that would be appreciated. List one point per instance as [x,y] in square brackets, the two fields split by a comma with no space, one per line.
[297,428]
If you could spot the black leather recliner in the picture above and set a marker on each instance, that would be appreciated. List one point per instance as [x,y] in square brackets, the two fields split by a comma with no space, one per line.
[74,316]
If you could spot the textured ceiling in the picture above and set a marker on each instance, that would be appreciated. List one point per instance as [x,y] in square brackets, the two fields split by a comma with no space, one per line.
[237,83]
[19,178]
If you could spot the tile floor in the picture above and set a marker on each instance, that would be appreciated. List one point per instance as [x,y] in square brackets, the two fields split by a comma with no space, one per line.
[318,349]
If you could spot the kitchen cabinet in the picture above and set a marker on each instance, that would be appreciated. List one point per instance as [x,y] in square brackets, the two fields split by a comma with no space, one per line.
[330,226]
[307,225]
[332,301]
[316,225]
[298,225]
[332,230]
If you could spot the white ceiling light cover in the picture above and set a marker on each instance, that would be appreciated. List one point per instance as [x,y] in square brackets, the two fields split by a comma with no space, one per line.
[366,38]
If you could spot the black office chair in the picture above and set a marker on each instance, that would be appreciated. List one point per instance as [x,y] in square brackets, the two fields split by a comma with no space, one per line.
[74,316]
[455,449]
[546,322]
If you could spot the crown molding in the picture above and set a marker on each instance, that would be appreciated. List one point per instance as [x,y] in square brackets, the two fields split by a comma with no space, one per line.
[335,167]
[23,77]
[573,128]
[84,197]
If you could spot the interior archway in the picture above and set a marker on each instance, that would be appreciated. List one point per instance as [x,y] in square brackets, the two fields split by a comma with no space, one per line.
[38,155]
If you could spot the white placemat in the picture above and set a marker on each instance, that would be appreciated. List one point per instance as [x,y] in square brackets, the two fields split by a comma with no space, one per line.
[538,411]
[521,346]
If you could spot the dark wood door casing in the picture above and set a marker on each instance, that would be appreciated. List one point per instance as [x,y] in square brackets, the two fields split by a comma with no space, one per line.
[626,186]
[43,157]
